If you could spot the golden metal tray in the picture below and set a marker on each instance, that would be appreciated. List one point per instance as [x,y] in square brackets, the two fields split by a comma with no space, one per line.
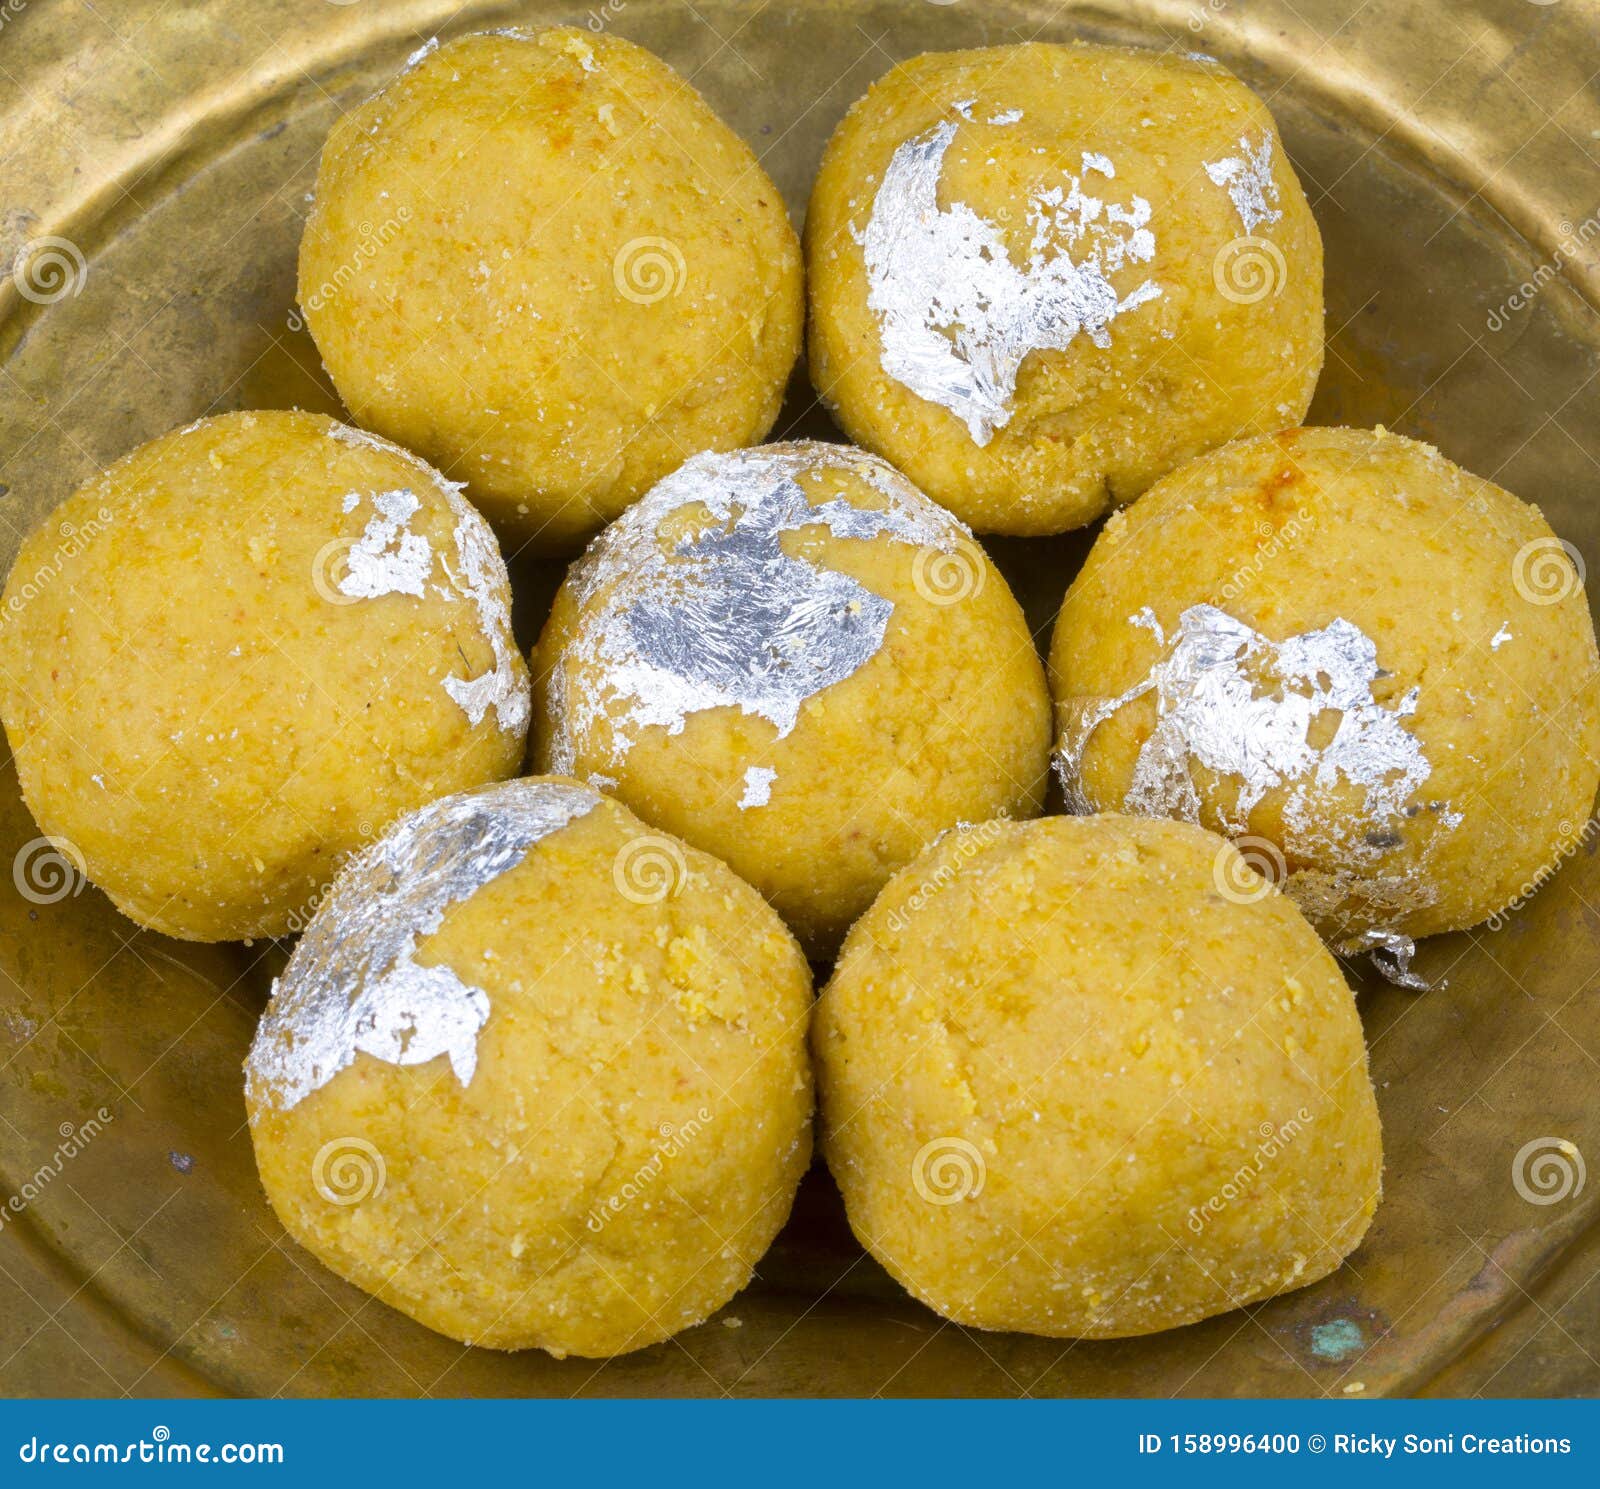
[1450,152]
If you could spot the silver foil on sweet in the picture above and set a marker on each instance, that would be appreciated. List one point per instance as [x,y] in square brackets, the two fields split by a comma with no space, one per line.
[1390,953]
[388,559]
[715,613]
[1232,701]
[1247,178]
[964,107]
[758,781]
[354,986]
[956,316]
[479,574]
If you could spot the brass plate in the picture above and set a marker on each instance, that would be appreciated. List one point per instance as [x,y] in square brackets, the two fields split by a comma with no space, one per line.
[1450,153]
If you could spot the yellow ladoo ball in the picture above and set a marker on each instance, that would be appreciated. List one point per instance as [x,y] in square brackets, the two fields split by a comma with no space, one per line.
[792,658]
[233,658]
[1071,1088]
[1042,276]
[1374,670]
[536,1075]
[541,260]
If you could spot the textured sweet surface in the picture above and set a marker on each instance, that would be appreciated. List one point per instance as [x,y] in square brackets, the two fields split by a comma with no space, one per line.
[1042,276]
[635,1117]
[541,260]
[1069,1087]
[238,654]
[1339,643]
[793,659]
